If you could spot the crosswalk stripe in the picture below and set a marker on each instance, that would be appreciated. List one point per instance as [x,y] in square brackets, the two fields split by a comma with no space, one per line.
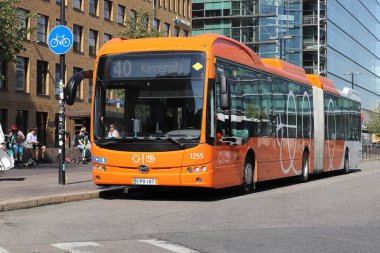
[2,250]
[71,246]
[169,246]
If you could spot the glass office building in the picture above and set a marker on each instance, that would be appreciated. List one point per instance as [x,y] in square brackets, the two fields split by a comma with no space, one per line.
[353,48]
[338,39]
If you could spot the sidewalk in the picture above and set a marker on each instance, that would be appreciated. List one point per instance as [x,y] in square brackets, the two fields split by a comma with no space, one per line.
[26,187]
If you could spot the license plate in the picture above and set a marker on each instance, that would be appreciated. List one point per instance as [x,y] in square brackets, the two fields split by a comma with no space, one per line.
[144,181]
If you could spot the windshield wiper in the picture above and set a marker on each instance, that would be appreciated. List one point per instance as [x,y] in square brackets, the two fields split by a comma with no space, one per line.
[174,141]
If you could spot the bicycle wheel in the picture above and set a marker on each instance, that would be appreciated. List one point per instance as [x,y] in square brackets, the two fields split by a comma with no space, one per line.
[54,42]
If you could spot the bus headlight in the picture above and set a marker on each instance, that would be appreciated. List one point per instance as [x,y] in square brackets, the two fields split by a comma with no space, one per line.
[196,169]
[204,169]
[189,170]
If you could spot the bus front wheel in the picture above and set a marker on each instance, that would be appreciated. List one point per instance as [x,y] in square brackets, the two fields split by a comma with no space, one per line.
[248,184]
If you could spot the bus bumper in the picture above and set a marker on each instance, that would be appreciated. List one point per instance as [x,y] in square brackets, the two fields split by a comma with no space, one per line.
[191,176]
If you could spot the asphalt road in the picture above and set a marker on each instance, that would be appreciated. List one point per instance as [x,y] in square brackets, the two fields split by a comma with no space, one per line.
[330,213]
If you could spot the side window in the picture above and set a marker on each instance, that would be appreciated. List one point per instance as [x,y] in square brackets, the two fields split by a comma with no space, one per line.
[251,103]
[346,119]
[280,95]
[330,120]
[306,109]
[265,91]
[339,118]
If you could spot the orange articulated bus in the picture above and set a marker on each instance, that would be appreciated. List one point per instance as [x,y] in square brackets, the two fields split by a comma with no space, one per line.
[206,111]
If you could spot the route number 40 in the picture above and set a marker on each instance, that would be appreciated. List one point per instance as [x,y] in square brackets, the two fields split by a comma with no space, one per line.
[196,156]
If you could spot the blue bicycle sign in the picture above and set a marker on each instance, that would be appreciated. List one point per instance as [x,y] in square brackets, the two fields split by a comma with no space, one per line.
[60,39]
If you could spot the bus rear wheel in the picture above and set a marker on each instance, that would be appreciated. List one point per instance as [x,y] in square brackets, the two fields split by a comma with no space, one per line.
[248,184]
[305,167]
[346,168]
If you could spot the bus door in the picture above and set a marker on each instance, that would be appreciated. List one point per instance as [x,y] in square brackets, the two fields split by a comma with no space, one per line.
[230,136]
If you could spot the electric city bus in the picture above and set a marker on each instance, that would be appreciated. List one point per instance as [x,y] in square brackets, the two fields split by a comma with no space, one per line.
[206,111]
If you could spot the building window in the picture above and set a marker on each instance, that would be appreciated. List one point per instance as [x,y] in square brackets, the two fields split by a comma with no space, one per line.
[3,75]
[156,24]
[175,32]
[42,22]
[166,29]
[21,73]
[185,33]
[41,123]
[4,119]
[58,78]
[23,15]
[42,70]
[77,4]
[107,10]
[90,90]
[92,41]
[22,121]
[133,15]
[107,37]
[121,14]
[79,92]
[77,45]
[93,4]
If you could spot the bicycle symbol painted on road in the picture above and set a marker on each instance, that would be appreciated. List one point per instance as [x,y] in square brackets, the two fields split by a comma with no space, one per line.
[60,40]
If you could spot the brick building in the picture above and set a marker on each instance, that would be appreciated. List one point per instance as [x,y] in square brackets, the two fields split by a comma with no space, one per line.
[28,95]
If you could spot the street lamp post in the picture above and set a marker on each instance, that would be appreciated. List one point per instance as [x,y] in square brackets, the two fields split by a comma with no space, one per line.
[280,40]
[352,77]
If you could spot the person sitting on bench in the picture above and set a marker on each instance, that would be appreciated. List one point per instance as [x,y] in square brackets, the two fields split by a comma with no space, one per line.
[31,142]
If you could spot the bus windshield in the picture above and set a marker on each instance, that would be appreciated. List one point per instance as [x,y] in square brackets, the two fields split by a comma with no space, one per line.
[149,98]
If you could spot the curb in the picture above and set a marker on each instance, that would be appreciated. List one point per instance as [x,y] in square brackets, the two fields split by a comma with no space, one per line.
[23,203]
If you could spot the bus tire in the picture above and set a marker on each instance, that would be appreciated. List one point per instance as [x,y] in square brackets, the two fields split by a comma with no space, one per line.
[305,167]
[248,184]
[346,168]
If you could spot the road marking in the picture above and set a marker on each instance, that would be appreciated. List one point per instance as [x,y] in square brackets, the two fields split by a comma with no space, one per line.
[71,246]
[2,250]
[169,246]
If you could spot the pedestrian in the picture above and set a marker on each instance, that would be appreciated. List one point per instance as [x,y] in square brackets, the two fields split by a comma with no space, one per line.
[16,142]
[32,142]
[113,133]
[82,143]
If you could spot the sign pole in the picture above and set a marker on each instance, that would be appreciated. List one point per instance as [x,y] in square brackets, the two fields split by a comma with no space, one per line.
[62,128]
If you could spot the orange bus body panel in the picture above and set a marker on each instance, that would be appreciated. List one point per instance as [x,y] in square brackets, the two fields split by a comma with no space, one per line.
[323,83]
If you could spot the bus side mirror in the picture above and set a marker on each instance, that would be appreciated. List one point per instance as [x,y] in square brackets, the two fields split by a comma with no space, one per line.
[72,85]
[224,94]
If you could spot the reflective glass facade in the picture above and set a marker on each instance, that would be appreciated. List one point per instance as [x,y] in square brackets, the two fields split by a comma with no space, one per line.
[285,28]
[353,47]
[338,39]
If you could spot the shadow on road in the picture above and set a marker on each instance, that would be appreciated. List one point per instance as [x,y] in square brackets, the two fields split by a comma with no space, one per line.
[208,195]
[13,179]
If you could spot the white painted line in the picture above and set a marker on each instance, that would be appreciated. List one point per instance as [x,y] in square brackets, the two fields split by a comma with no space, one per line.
[71,246]
[2,250]
[169,246]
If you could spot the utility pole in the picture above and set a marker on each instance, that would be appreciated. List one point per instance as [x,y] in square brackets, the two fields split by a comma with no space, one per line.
[62,128]
[352,77]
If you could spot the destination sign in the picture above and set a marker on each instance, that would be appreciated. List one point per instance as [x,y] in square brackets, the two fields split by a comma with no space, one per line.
[150,67]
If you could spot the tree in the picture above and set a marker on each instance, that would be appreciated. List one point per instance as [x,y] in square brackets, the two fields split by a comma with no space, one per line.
[137,27]
[373,125]
[12,30]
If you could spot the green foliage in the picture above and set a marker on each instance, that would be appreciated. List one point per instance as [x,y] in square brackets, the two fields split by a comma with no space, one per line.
[137,28]
[12,33]
[373,125]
